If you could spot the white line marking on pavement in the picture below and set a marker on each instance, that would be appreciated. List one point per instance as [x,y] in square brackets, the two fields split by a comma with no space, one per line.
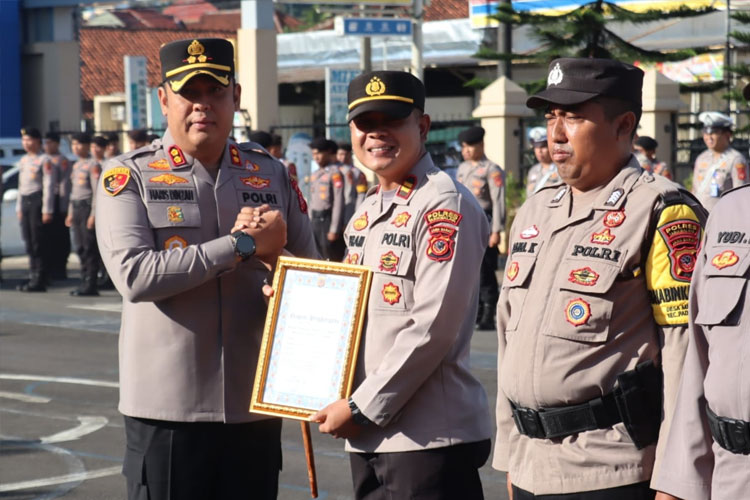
[87,426]
[60,380]
[26,398]
[99,307]
[67,478]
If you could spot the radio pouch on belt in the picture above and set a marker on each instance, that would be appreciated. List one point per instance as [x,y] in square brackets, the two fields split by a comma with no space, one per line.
[638,396]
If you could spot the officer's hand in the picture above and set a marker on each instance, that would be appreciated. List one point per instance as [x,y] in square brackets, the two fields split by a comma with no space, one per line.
[660,495]
[336,420]
[509,486]
[90,222]
[269,232]
[69,220]
[502,247]
[494,239]
[20,216]
[268,292]
[46,218]
[332,236]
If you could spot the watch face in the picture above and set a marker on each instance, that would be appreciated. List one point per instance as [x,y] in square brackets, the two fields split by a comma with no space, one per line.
[245,245]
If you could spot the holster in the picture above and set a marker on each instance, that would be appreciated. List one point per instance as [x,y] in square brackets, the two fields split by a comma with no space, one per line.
[638,396]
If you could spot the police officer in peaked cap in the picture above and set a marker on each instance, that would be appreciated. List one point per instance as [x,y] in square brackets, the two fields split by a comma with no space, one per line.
[544,172]
[188,227]
[592,313]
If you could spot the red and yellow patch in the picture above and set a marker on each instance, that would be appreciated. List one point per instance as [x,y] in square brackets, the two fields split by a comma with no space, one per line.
[530,232]
[115,180]
[389,262]
[168,179]
[407,187]
[584,276]
[440,246]
[175,154]
[727,258]
[401,219]
[443,216]
[391,293]
[234,155]
[360,222]
[161,164]
[300,197]
[512,270]
[741,171]
[614,218]
[253,167]
[682,237]
[577,312]
[352,258]
[604,238]
[497,178]
[256,182]
[175,242]
[175,215]
[338,181]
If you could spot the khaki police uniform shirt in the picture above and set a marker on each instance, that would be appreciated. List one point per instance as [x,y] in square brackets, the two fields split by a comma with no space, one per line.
[36,174]
[413,377]
[193,316]
[655,166]
[581,303]
[62,189]
[84,178]
[540,177]
[717,372]
[355,188]
[730,169]
[327,194]
[487,181]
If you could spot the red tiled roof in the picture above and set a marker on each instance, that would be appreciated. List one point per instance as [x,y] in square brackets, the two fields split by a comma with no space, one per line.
[446,9]
[221,20]
[102,50]
[189,11]
[149,18]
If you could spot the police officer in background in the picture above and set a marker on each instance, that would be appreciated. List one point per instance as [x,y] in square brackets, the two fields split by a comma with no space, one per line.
[184,226]
[327,201]
[486,181]
[84,179]
[645,151]
[707,454]
[720,167]
[113,145]
[593,307]
[543,173]
[355,181]
[35,206]
[98,148]
[417,424]
[58,250]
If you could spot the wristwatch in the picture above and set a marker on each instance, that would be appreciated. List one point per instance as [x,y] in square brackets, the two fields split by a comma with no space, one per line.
[244,244]
[357,416]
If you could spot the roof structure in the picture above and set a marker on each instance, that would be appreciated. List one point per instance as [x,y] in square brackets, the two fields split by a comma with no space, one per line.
[133,18]
[439,10]
[189,11]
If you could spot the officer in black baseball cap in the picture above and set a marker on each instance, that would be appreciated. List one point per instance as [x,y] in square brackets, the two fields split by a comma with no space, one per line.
[184,59]
[395,93]
[472,135]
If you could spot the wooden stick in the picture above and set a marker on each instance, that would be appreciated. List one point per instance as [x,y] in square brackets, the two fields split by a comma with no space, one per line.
[307,441]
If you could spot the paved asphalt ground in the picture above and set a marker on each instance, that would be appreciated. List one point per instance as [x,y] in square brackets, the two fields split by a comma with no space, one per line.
[61,435]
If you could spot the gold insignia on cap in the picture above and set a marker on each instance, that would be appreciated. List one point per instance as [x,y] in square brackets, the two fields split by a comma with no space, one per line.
[375,86]
[197,52]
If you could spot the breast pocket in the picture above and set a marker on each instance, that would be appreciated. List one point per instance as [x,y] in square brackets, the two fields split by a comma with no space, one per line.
[725,280]
[517,272]
[582,309]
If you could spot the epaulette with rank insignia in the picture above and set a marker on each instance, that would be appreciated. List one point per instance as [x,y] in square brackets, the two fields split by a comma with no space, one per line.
[734,189]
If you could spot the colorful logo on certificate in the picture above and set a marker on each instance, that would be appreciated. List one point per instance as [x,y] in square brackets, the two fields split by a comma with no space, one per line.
[577,312]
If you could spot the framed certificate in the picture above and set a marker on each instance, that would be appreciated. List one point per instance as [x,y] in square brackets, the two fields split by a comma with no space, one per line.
[311,337]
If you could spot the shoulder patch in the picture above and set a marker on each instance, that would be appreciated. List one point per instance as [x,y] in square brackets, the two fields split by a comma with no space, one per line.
[115,179]
[443,215]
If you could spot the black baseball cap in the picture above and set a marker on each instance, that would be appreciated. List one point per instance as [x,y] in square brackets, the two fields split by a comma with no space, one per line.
[647,143]
[261,137]
[52,136]
[31,132]
[395,93]
[323,144]
[82,137]
[574,81]
[100,141]
[472,135]
[184,59]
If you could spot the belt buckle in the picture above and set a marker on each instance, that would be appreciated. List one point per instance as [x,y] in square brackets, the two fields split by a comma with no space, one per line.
[528,422]
[737,433]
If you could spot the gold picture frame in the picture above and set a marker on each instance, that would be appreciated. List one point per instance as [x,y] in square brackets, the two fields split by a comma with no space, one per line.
[311,337]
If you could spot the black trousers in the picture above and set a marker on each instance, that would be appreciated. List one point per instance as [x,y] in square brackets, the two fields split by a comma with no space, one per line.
[59,248]
[448,473]
[637,491]
[85,240]
[34,233]
[488,291]
[329,250]
[202,461]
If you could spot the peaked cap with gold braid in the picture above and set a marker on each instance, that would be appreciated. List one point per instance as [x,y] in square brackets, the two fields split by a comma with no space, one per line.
[395,93]
[183,59]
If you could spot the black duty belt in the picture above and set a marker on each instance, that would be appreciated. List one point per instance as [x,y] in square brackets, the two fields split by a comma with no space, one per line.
[80,203]
[320,214]
[729,433]
[599,413]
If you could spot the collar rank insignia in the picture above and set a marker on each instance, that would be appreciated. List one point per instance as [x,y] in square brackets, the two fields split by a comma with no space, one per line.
[604,238]
[683,237]
[234,155]
[174,214]
[391,293]
[512,271]
[577,312]
[255,182]
[168,179]
[401,219]
[530,232]
[178,159]
[162,164]
[559,195]
[407,187]
[440,246]
[360,222]
[614,218]
[352,258]
[585,276]
[175,242]
[389,262]
[614,197]
[727,258]
[115,180]
[443,216]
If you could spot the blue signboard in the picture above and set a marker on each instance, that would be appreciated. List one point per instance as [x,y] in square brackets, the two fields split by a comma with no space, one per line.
[375,26]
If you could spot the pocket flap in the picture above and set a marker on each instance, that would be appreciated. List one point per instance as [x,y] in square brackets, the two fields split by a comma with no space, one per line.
[718,298]
[517,270]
